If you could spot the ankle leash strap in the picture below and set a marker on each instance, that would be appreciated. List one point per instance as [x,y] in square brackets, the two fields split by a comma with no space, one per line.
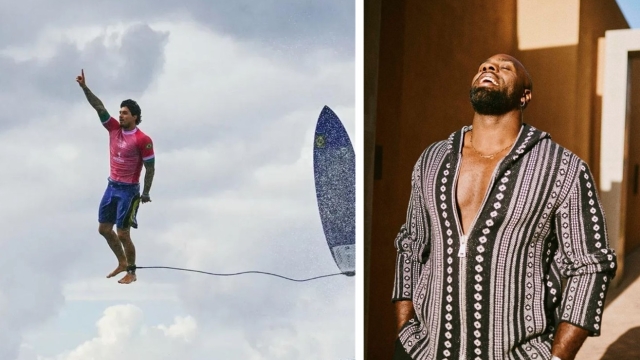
[131,269]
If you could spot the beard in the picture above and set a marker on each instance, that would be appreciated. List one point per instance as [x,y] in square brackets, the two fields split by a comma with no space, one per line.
[493,102]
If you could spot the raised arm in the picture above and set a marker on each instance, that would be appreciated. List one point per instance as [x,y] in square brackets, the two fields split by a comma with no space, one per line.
[93,100]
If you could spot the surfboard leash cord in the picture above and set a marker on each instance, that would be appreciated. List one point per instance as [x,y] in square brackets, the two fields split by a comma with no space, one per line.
[133,268]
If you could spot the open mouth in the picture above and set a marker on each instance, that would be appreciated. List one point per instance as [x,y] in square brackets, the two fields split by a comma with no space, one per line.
[487,79]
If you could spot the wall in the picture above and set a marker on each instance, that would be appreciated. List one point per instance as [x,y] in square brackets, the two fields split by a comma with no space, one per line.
[372,10]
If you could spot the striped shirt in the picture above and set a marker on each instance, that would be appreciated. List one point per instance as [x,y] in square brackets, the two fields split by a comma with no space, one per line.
[537,254]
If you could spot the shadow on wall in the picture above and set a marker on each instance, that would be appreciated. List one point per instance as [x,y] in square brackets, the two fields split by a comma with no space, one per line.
[626,347]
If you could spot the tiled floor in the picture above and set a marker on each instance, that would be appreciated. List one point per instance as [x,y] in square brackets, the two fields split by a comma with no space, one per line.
[620,336]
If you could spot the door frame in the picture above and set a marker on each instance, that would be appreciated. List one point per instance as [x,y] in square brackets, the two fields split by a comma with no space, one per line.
[614,174]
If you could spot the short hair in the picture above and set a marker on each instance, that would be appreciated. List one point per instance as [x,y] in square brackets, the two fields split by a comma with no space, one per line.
[134,109]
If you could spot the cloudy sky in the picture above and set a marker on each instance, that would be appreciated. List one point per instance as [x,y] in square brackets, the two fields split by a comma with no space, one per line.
[230,93]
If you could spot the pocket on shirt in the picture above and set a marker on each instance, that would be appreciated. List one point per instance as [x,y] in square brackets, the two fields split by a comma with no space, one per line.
[420,293]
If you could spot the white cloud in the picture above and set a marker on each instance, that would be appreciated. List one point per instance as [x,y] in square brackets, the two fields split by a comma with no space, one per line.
[183,328]
[122,334]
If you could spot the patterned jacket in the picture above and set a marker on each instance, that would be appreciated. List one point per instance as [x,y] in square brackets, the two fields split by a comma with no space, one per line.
[536,255]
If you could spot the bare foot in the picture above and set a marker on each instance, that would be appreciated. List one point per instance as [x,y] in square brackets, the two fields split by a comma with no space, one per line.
[128,279]
[117,271]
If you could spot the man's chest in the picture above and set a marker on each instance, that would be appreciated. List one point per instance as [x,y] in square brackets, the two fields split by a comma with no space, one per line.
[473,182]
[461,199]
[124,146]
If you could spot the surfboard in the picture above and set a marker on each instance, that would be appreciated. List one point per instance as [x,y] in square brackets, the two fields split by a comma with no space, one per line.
[335,180]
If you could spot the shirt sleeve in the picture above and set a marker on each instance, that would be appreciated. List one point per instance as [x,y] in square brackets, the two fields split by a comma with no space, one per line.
[584,257]
[412,239]
[111,124]
[146,148]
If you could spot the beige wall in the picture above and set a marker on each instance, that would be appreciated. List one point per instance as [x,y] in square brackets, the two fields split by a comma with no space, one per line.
[428,54]
[619,138]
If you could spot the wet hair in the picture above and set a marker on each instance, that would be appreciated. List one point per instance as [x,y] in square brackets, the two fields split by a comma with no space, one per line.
[134,109]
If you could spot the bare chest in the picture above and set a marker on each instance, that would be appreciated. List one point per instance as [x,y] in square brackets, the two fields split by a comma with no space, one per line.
[473,182]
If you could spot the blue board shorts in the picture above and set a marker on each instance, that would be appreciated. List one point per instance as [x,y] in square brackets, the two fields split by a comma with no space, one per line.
[119,205]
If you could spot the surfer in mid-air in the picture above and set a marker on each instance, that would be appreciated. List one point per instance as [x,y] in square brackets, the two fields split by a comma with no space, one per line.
[130,148]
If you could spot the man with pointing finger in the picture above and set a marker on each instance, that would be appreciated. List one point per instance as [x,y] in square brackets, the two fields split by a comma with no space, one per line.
[130,148]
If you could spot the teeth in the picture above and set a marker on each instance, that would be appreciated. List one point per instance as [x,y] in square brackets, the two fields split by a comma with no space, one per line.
[490,79]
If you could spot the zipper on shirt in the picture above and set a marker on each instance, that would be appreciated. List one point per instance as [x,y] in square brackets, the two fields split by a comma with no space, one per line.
[462,251]
[462,262]
[463,237]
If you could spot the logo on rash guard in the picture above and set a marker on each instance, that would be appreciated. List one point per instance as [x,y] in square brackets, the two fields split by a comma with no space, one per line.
[119,158]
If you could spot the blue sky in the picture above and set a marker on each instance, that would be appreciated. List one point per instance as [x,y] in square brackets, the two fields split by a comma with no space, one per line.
[631,11]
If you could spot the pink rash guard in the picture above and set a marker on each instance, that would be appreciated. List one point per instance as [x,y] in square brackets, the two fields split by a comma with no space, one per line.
[128,149]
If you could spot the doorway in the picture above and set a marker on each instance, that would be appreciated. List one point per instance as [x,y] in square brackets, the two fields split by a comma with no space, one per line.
[632,223]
